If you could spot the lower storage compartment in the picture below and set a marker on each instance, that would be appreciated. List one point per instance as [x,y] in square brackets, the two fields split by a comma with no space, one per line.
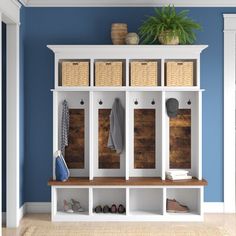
[183,201]
[139,203]
[72,201]
[146,201]
[103,197]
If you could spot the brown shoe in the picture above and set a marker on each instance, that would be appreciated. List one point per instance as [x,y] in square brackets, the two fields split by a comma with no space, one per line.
[173,206]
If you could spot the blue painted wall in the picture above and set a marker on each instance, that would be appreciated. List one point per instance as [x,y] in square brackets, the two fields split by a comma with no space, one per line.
[92,26]
[3,116]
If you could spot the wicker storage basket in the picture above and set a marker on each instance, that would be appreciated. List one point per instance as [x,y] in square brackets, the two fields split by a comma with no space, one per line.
[144,73]
[108,73]
[179,73]
[75,73]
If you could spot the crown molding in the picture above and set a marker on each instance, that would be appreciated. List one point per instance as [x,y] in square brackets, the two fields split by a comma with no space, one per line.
[229,15]
[16,3]
[24,2]
[128,3]
[10,11]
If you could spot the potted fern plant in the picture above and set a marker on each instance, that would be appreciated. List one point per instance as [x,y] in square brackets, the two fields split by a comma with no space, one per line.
[168,27]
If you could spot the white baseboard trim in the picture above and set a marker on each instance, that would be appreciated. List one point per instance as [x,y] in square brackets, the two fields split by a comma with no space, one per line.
[21,213]
[4,218]
[213,207]
[38,207]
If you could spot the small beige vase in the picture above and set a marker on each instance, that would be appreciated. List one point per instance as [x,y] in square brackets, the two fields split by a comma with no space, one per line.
[166,39]
[118,33]
[132,39]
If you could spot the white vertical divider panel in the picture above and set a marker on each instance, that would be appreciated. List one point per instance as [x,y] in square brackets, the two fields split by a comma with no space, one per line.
[127,123]
[158,159]
[56,67]
[1,115]
[163,72]
[130,136]
[198,64]
[91,120]
[91,137]
[164,135]
[199,141]
[54,202]
[199,125]
[201,201]
[164,201]
[127,72]
[196,132]
[127,201]
[55,129]
[90,201]
[92,75]
[13,85]
[158,132]
[127,135]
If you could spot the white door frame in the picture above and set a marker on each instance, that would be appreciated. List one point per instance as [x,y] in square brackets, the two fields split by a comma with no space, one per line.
[229,111]
[10,14]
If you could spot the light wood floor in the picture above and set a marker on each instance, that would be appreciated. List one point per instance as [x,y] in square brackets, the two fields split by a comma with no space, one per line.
[227,221]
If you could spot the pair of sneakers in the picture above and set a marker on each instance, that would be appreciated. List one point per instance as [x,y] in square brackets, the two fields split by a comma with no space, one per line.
[72,206]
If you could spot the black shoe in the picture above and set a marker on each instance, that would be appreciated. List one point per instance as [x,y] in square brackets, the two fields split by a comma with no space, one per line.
[121,209]
[113,209]
[106,209]
[98,209]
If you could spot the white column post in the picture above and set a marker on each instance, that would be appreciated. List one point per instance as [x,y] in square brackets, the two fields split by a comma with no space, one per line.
[13,177]
[229,111]
[1,117]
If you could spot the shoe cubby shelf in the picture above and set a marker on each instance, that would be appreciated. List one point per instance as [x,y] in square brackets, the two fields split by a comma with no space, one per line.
[146,203]
[153,142]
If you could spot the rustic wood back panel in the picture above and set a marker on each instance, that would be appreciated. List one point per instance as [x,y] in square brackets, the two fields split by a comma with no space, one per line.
[180,140]
[144,138]
[74,153]
[108,159]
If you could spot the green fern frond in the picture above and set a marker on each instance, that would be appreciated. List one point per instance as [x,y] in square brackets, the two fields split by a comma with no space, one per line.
[167,19]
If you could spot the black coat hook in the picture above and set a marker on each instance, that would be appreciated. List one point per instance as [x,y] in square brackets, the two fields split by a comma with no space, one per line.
[136,102]
[100,102]
[153,102]
[82,102]
[189,102]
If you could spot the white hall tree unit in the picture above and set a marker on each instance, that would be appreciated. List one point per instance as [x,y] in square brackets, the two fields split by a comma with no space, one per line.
[153,142]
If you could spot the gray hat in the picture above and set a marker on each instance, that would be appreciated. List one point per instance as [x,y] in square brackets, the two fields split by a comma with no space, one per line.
[172,106]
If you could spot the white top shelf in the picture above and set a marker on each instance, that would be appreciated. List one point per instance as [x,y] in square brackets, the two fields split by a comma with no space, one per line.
[123,51]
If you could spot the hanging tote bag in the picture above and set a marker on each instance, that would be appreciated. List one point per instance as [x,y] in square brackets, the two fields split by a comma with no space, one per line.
[62,171]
